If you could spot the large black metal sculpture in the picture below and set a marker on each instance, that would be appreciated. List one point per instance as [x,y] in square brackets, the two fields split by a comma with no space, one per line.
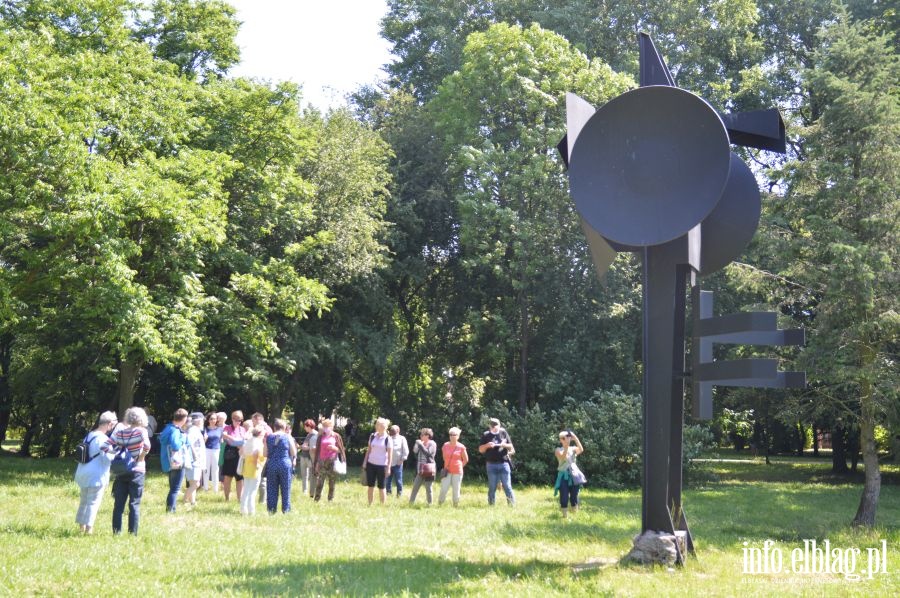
[652,171]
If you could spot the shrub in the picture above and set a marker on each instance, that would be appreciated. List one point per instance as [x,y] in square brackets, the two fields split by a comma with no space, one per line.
[609,426]
[697,438]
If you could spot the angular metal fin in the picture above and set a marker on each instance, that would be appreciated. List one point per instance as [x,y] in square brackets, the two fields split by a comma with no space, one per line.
[653,69]
[762,129]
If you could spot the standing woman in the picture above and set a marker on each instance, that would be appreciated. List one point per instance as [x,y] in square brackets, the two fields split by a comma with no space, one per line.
[330,448]
[455,458]
[130,486]
[252,452]
[568,477]
[213,441]
[281,455]
[425,449]
[93,476]
[233,435]
[377,461]
[197,450]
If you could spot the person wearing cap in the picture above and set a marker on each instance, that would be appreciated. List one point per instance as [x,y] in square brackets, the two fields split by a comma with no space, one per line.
[455,459]
[497,447]
[93,476]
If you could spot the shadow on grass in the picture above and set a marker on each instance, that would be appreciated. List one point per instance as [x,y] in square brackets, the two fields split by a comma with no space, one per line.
[802,471]
[420,574]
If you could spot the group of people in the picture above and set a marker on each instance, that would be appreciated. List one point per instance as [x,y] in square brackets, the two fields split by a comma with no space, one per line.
[197,450]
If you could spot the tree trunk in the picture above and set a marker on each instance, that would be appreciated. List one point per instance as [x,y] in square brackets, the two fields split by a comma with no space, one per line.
[523,357]
[838,450]
[28,438]
[801,438]
[815,440]
[854,446]
[868,502]
[6,341]
[129,369]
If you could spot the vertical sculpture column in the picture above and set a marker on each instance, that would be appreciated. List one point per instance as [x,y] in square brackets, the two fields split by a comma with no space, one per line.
[651,171]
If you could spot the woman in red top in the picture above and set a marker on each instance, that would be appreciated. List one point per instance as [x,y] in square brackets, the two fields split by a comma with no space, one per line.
[455,458]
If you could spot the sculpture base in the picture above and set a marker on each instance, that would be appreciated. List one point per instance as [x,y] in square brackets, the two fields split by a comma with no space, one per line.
[658,548]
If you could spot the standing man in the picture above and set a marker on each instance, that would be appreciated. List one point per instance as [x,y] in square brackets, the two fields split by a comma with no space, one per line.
[172,443]
[400,451]
[260,422]
[497,447]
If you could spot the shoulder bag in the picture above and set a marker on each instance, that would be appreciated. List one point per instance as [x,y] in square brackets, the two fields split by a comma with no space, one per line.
[428,469]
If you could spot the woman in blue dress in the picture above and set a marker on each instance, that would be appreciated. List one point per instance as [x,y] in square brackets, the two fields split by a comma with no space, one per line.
[281,455]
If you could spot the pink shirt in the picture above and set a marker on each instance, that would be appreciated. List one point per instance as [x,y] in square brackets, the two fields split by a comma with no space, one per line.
[454,457]
[328,447]
[236,431]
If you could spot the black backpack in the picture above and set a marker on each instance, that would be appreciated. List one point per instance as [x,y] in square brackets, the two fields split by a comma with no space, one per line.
[82,451]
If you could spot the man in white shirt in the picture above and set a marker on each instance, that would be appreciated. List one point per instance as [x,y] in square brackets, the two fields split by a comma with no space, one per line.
[400,449]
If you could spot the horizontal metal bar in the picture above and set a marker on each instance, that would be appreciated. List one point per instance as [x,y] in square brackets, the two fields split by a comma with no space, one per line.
[781,380]
[736,369]
[772,338]
[745,321]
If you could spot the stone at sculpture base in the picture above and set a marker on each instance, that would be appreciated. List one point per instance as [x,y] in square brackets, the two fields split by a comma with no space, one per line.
[653,548]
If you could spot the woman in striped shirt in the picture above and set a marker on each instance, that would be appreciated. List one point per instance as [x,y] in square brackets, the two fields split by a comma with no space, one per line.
[130,486]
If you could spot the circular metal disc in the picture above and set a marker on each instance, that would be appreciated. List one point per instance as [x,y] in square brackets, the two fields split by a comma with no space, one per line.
[728,229]
[649,165]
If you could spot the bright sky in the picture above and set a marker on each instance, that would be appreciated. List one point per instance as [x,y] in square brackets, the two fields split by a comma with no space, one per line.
[331,47]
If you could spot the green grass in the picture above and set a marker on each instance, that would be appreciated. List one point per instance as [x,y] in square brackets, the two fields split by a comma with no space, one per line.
[348,548]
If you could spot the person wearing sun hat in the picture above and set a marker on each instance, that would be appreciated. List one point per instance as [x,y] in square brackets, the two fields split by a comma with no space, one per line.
[455,459]
[497,447]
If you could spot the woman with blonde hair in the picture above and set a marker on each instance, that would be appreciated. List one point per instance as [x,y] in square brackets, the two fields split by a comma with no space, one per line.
[377,460]
[254,459]
[455,459]
[129,486]
[331,448]
[569,478]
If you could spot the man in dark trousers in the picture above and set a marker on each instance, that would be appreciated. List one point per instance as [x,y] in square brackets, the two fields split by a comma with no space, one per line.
[497,447]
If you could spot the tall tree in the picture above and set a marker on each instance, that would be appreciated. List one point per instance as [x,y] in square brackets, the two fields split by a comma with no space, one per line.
[196,35]
[709,44]
[519,234]
[844,208]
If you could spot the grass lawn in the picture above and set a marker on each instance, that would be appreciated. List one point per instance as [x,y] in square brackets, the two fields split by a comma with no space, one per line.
[397,550]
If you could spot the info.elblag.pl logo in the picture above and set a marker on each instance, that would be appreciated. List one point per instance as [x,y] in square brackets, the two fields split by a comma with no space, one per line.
[814,558]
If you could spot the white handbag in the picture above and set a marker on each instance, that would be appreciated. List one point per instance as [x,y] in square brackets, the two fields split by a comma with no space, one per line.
[340,467]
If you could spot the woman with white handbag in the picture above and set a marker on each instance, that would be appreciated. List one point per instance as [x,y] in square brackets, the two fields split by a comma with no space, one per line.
[569,477]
